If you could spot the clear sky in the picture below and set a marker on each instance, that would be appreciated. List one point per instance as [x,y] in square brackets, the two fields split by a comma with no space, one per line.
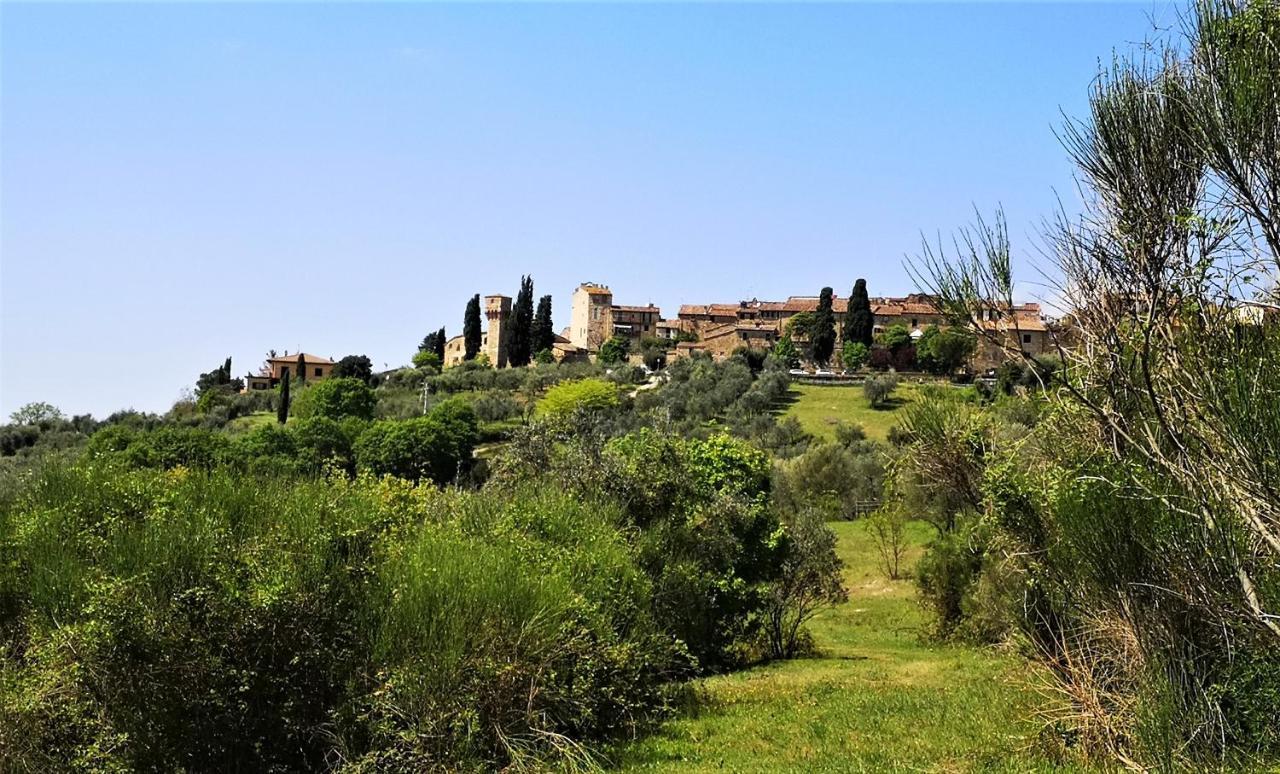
[185,182]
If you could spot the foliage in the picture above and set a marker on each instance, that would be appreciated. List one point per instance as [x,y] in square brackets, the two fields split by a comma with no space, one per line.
[822,336]
[854,355]
[877,389]
[615,350]
[859,322]
[354,367]
[520,341]
[888,527]
[942,351]
[583,395]
[282,410]
[830,479]
[895,337]
[432,345]
[471,333]
[336,398]
[785,350]
[36,413]
[165,621]
[436,447]
[425,359]
[810,579]
[543,331]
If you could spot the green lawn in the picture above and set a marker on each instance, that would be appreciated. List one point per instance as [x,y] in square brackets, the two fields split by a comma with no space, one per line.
[878,698]
[819,408]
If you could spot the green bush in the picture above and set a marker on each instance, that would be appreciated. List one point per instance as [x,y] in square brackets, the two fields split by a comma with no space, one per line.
[587,395]
[436,447]
[189,621]
[336,399]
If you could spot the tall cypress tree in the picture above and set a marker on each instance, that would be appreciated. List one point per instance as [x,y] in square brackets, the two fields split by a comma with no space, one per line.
[822,340]
[226,371]
[521,342]
[471,328]
[282,411]
[543,333]
[302,367]
[439,344]
[859,322]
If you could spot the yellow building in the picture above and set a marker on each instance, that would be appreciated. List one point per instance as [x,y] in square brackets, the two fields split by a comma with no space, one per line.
[276,367]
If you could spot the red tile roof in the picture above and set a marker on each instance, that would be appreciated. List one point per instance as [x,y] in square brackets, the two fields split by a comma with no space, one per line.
[312,359]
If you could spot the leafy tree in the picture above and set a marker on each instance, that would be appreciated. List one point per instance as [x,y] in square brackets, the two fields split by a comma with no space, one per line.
[943,351]
[785,350]
[895,337]
[434,447]
[282,411]
[337,399]
[615,350]
[822,339]
[219,377]
[545,357]
[434,343]
[35,413]
[811,579]
[543,332]
[354,367]
[471,334]
[877,389]
[859,322]
[854,355]
[520,343]
[426,359]
[568,398]
[800,326]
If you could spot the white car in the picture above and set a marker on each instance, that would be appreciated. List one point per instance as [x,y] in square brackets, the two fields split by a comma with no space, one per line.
[798,372]
[823,372]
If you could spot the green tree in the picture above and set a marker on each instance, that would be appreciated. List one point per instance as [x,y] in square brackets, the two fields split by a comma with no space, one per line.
[425,358]
[859,322]
[943,351]
[471,329]
[800,326]
[354,367]
[282,411]
[615,350]
[567,398]
[520,343]
[895,337]
[35,413]
[785,350]
[543,335]
[822,339]
[302,367]
[337,399]
[854,355]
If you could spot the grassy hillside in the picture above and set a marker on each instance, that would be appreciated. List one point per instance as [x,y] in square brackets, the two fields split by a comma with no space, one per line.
[878,699]
[819,408]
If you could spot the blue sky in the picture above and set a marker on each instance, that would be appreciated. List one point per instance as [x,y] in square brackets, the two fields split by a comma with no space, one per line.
[181,183]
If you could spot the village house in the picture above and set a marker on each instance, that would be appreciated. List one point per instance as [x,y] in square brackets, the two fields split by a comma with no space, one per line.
[594,319]
[275,368]
[496,338]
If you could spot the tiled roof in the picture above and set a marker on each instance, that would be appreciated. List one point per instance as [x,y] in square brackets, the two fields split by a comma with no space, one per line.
[312,359]
[694,310]
[810,304]
[644,309]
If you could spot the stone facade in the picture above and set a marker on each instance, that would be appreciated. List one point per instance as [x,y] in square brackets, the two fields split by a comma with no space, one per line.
[497,311]
[594,318]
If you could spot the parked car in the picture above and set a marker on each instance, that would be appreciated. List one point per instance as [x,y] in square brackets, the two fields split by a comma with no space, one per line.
[798,372]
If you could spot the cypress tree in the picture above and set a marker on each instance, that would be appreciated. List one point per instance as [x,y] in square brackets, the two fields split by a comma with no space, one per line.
[282,411]
[822,341]
[543,333]
[302,367]
[859,322]
[226,371]
[521,342]
[471,328]
[439,347]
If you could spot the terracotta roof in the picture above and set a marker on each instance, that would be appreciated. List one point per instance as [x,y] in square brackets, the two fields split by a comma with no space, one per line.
[311,359]
[695,310]
[723,309]
[810,304]
[645,309]
[595,290]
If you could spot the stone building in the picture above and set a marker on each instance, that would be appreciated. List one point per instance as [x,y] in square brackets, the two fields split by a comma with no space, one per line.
[495,339]
[276,367]
[594,318]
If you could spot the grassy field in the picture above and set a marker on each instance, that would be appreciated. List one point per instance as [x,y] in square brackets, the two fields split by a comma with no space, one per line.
[819,408]
[878,698]
[250,422]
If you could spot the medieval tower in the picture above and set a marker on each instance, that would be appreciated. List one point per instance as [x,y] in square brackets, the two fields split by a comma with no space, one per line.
[497,310]
[591,316]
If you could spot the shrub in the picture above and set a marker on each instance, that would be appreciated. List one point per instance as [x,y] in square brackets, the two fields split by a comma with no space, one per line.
[436,447]
[336,399]
[831,478]
[615,350]
[877,389]
[589,395]
[809,580]
[854,355]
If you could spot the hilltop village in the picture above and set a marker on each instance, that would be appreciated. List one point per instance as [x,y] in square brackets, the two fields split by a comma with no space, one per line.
[719,329]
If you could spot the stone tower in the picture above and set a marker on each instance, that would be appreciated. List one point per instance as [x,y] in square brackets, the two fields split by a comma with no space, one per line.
[497,310]
[591,316]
